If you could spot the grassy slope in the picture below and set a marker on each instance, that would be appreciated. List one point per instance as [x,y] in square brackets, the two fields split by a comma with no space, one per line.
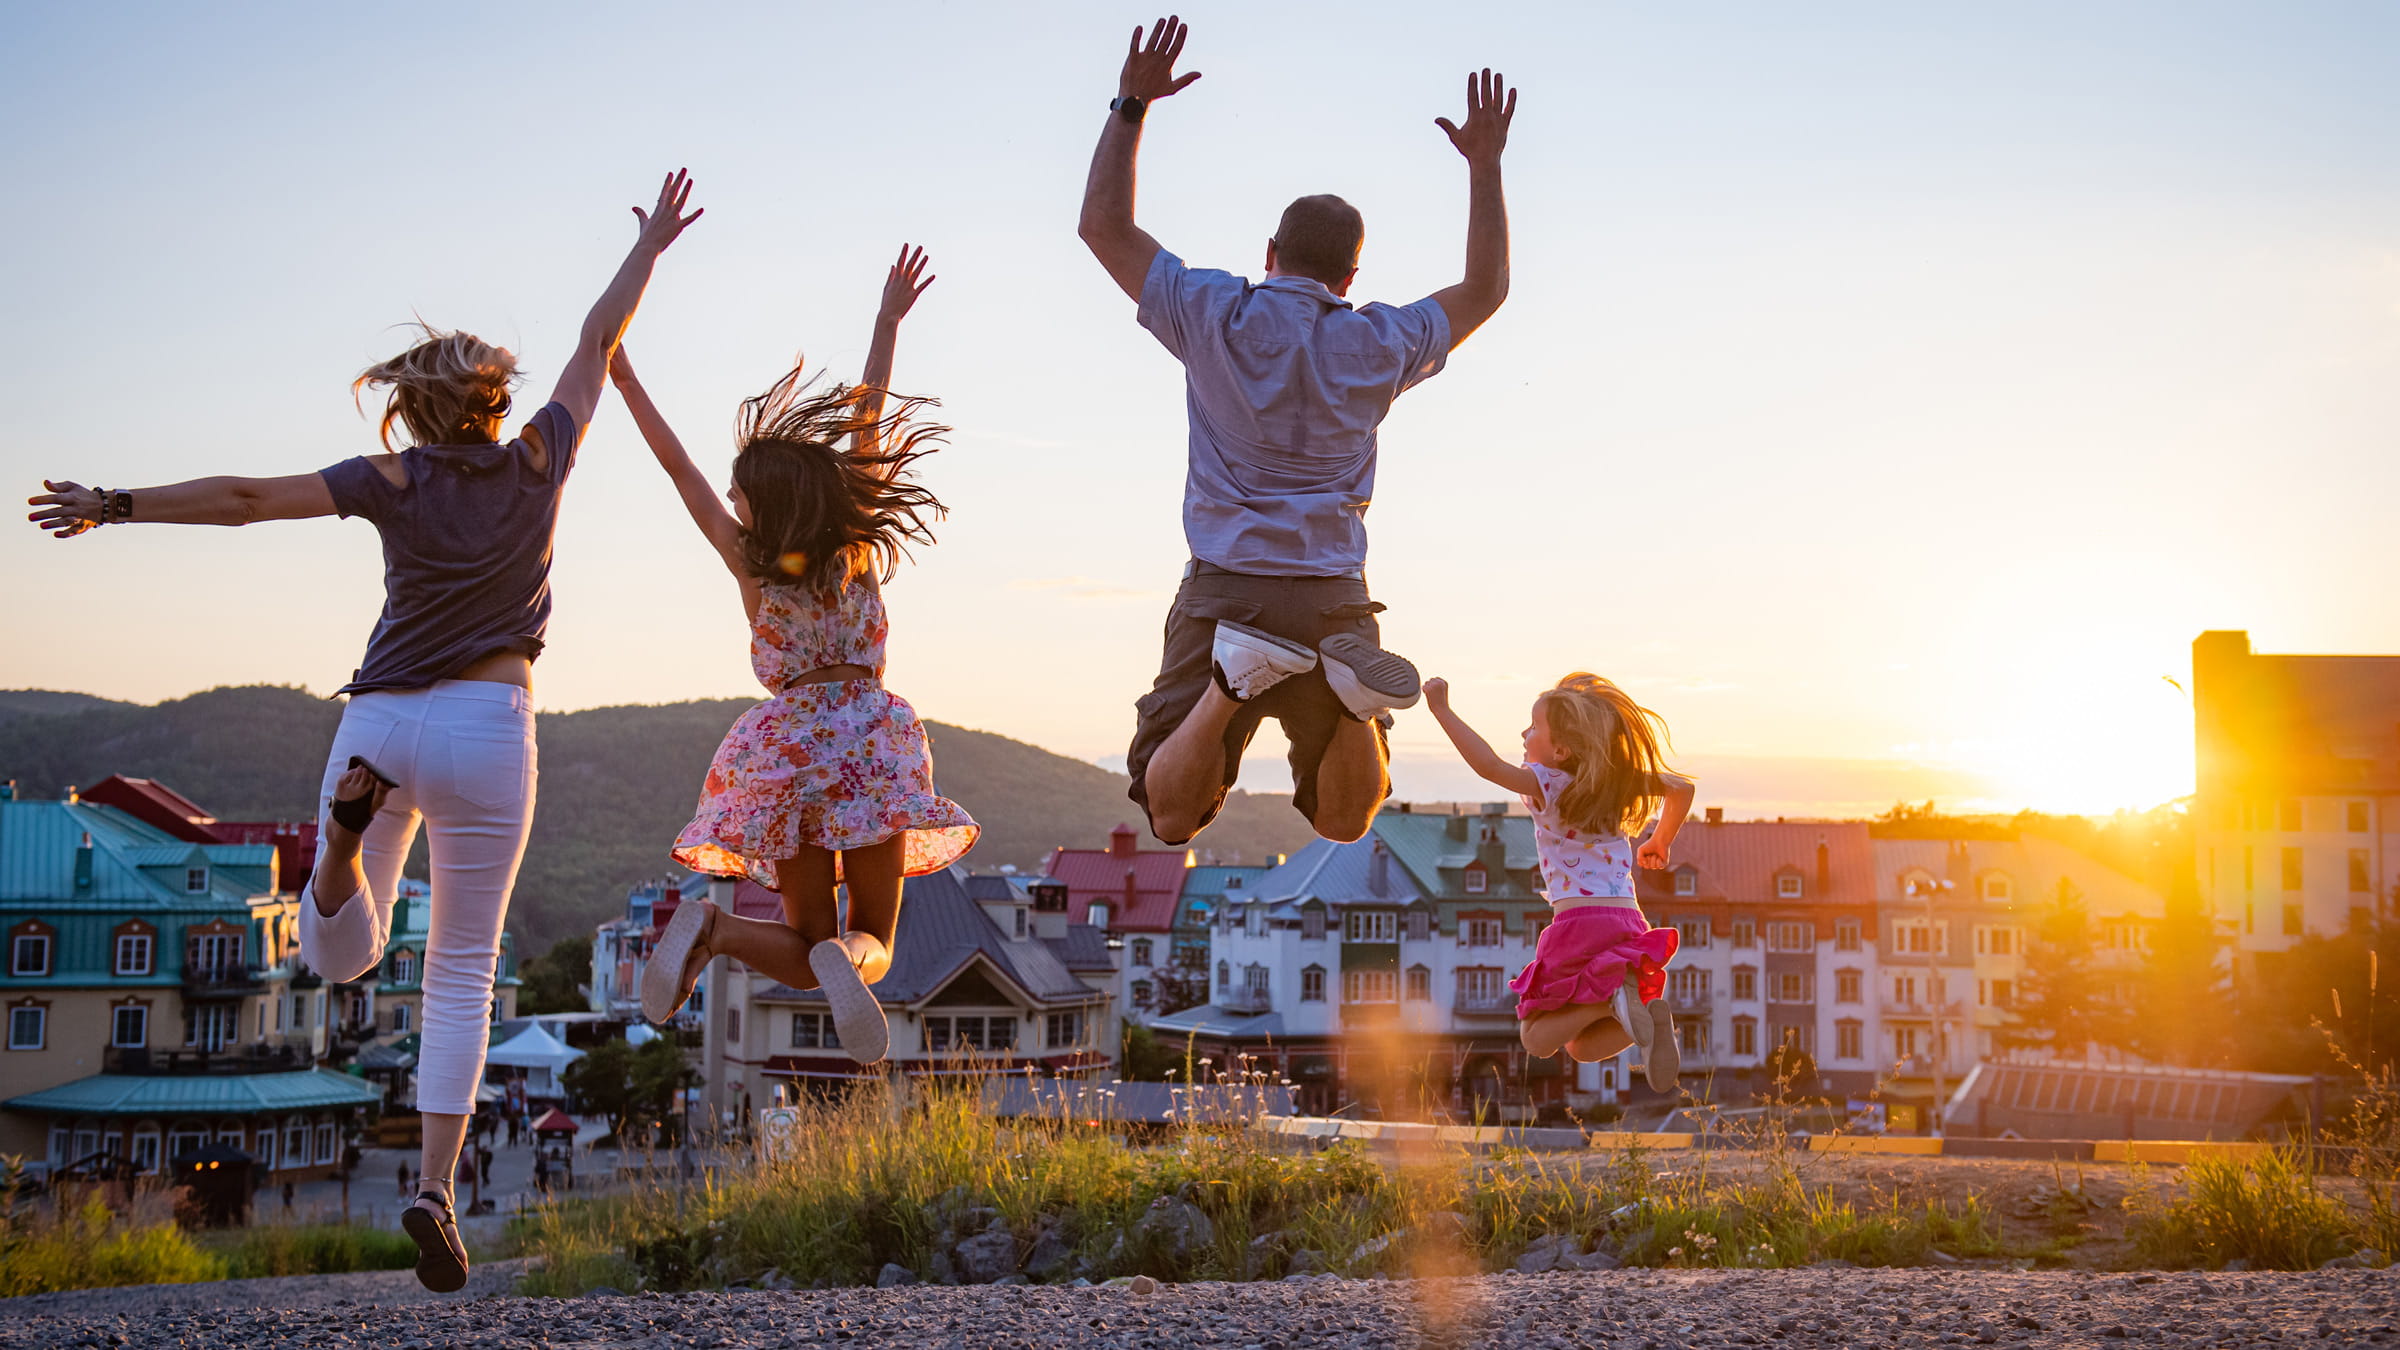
[616,783]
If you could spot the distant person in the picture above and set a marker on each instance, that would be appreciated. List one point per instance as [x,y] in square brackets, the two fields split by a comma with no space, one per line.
[439,725]
[1591,775]
[1285,384]
[404,1176]
[829,782]
[287,1198]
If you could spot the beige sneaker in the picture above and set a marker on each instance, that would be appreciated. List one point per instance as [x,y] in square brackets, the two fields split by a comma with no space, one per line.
[1662,1062]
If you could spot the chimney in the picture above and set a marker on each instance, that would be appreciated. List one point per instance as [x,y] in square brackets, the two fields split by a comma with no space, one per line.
[1121,842]
[1958,865]
[1379,869]
[83,862]
[1824,869]
[1716,815]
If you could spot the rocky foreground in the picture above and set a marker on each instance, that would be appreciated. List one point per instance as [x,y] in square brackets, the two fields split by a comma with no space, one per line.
[1654,1310]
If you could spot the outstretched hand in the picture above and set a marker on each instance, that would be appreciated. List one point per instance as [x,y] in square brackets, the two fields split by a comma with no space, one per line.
[1490,105]
[1149,72]
[67,509]
[662,223]
[1652,854]
[1437,692]
[620,367]
[904,283]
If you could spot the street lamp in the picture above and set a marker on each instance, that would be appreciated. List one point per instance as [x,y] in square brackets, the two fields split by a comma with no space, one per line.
[1925,889]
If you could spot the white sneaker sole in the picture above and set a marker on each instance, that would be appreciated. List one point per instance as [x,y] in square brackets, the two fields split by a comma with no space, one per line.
[1662,1063]
[1368,679]
[1253,662]
[858,1020]
[662,978]
[1631,1015]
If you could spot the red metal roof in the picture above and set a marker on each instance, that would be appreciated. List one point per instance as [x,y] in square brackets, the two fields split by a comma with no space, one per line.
[1739,860]
[1142,886]
[153,802]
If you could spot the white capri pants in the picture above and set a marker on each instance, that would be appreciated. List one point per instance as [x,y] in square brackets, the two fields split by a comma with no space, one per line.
[462,752]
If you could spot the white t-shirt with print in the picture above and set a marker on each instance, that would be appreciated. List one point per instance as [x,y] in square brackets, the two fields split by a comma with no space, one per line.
[1578,865]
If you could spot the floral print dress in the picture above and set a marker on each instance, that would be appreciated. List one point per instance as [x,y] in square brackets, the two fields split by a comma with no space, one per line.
[838,765]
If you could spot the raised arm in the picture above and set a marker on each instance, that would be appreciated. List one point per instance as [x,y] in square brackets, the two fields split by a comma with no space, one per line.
[1107,227]
[1676,792]
[1490,106]
[1473,748]
[68,509]
[580,379]
[901,287]
[717,524]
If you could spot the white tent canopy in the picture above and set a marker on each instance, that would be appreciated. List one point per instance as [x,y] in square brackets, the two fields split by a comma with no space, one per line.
[541,1055]
[639,1033]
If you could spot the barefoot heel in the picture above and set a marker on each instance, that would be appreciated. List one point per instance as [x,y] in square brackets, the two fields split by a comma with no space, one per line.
[662,978]
[440,1268]
[857,1018]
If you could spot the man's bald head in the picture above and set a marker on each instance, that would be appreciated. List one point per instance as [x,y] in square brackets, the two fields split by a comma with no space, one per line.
[1319,238]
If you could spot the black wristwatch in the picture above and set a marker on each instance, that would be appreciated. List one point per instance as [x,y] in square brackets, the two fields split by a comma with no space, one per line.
[1131,107]
[120,505]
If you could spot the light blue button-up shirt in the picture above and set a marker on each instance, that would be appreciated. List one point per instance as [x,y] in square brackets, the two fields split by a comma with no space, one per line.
[1285,384]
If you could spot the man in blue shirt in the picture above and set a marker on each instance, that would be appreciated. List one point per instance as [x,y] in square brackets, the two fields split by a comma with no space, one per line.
[1285,383]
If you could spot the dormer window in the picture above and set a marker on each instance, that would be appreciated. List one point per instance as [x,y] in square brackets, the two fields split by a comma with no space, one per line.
[195,880]
[1995,887]
[1787,886]
[1097,917]
[404,968]
[1687,881]
[1474,879]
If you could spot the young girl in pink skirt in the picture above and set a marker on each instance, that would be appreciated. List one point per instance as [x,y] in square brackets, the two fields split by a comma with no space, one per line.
[828,783]
[1592,775]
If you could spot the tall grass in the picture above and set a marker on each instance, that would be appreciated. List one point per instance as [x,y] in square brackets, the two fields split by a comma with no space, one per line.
[314,1249]
[877,1176]
[87,1245]
[2268,1211]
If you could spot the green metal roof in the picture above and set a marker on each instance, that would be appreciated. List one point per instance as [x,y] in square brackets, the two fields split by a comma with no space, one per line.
[116,1094]
[39,841]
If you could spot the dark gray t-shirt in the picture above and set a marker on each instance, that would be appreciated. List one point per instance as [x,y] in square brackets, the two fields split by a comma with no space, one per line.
[466,551]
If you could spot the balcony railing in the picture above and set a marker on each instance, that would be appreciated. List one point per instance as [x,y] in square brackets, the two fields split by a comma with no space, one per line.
[221,981]
[1906,1007]
[140,1060]
[1690,1003]
[1246,1001]
[1487,1005]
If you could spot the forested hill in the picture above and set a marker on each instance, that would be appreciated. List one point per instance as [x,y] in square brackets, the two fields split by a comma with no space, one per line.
[616,783]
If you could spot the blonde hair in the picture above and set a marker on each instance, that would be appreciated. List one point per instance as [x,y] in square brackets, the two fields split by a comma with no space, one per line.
[1613,745]
[446,388]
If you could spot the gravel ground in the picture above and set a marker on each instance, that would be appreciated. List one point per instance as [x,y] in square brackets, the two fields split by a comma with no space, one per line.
[1654,1310]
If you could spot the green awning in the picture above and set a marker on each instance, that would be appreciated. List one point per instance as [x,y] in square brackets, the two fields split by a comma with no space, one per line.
[231,1094]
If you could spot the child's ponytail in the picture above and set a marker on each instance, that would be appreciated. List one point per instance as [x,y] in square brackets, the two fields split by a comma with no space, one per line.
[1615,745]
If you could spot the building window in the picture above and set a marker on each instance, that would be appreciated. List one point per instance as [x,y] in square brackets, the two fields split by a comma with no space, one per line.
[1920,937]
[2291,869]
[1745,984]
[1312,984]
[1692,1038]
[262,1017]
[133,954]
[211,1027]
[1019,912]
[1474,879]
[1480,986]
[145,1150]
[1745,1035]
[1904,1042]
[1224,976]
[1791,936]
[400,1017]
[1063,1029]
[1788,986]
[1254,980]
[29,954]
[1141,952]
[195,879]
[1846,1039]
[983,1031]
[404,968]
[28,1026]
[2356,817]
[1420,926]
[1904,990]
[1847,986]
[2362,876]
[2249,868]
[1420,985]
[1998,940]
[1995,993]
[1787,886]
[1845,935]
[129,1026]
[325,1143]
[1484,932]
[1371,926]
[295,1145]
[1745,932]
[2292,926]
[733,1026]
[1687,988]
[1687,882]
[1995,887]
[1312,923]
[2287,814]
[814,1031]
[1370,986]
[1142,993]
[1691,934]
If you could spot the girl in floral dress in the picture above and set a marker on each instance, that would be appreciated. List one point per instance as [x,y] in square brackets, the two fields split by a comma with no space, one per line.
[1592,773]
[828,783]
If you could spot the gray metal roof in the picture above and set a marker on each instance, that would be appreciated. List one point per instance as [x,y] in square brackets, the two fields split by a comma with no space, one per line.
[1211,1020]
[1083,948]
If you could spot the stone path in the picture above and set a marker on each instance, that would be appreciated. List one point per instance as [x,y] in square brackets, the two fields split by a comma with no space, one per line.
[1649,1310]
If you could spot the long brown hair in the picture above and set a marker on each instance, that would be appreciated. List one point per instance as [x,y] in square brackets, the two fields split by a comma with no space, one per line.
[446,388]
[1614,754]
[820,515]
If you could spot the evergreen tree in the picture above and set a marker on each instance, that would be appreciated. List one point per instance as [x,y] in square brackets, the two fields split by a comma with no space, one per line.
[2066,1004]
[554,981]
[634,1088]
[2185,1013]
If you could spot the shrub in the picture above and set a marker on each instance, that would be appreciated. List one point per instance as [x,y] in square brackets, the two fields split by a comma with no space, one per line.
[2267,1211]
[316,1249]
[90,1246]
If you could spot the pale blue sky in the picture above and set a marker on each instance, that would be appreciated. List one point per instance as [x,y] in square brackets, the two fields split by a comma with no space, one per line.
[1891,384]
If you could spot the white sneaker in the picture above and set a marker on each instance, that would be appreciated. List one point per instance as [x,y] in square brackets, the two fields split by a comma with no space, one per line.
[1630,1013]
[1662,1063]
[666,979]
[1369,680]
[858,1021]
[1250,663]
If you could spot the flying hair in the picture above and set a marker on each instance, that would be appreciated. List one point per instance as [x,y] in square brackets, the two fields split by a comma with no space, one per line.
[446,388]
[1614,748]
[821,515]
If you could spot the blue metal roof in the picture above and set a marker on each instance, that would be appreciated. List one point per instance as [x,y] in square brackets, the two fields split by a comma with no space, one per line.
[116,1094]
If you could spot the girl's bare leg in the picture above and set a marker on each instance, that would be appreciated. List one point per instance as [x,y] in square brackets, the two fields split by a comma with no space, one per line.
[1543,1034]
[872,876]
[1601,1040]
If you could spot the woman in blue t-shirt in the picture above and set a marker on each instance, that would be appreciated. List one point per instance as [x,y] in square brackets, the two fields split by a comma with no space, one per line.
[438,729]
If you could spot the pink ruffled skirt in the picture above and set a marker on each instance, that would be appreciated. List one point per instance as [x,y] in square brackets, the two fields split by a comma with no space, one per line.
[837,765]
[1582,955]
